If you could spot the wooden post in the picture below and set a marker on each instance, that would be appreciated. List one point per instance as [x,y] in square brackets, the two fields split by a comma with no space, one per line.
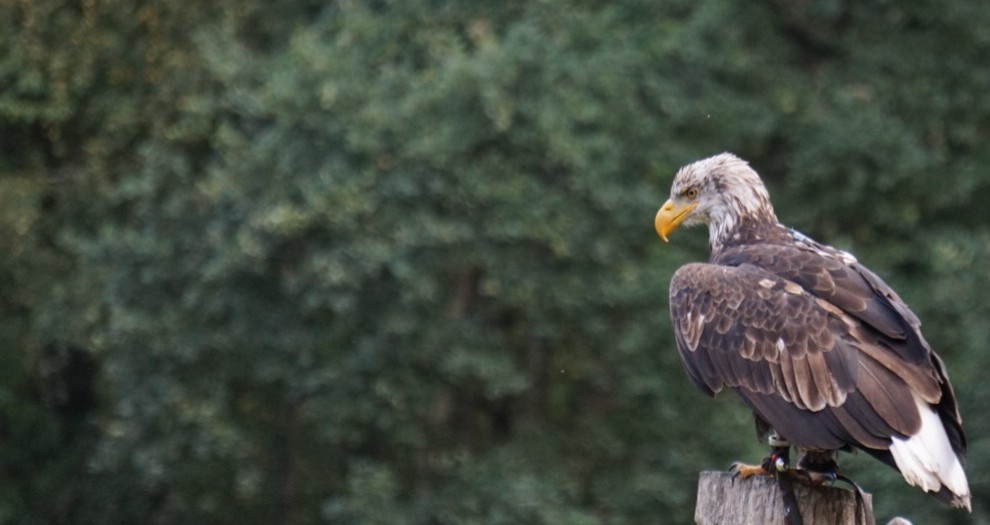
[723,500]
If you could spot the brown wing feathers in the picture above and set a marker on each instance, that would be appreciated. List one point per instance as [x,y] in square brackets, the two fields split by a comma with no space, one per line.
[817,338]
[771,341]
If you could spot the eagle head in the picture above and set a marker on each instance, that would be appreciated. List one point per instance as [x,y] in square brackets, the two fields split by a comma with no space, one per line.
[721,192]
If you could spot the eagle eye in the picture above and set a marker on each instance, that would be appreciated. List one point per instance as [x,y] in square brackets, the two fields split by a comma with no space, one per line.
[691,193]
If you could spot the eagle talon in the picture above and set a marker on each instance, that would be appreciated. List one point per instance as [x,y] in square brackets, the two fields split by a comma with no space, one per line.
[822,477]
[819,477]
[745,471]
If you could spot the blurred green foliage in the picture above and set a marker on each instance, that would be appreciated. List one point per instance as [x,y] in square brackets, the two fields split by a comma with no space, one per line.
[383,262]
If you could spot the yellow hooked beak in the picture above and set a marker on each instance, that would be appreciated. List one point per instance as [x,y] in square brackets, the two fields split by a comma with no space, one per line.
[670,216]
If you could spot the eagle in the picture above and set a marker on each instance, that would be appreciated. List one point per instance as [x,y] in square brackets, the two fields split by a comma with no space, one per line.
[828,357]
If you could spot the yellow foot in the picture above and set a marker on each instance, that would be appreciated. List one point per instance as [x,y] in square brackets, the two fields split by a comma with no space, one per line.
[743,471]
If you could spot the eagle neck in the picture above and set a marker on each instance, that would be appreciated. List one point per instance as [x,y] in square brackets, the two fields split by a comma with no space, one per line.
[733,230]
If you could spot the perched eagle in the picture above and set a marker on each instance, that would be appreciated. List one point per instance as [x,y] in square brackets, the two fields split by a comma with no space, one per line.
[824,352]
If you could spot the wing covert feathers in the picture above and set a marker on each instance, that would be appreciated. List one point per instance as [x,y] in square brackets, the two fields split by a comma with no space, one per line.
[760,333]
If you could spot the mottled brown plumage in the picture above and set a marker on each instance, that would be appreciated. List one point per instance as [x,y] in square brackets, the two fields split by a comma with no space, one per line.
[824,352]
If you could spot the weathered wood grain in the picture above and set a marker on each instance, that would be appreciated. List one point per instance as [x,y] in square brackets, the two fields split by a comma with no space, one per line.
[723,500]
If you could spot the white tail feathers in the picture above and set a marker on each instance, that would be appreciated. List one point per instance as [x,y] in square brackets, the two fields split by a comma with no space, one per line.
[927,460]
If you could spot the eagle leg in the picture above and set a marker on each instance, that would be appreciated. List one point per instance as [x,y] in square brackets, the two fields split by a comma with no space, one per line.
[777,461]
[818,467]
[817,476]
[777,464]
